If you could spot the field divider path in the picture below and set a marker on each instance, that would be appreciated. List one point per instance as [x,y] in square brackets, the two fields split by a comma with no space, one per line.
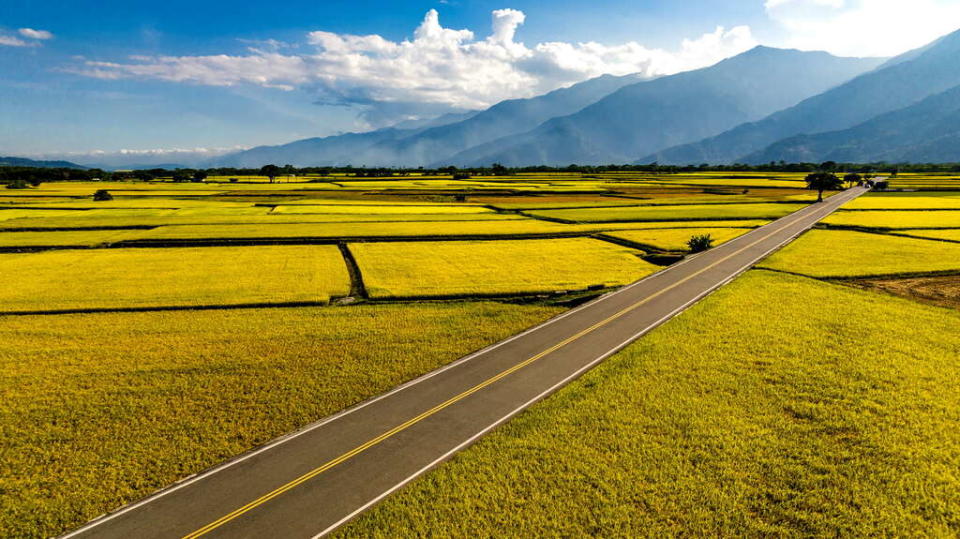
[312,481]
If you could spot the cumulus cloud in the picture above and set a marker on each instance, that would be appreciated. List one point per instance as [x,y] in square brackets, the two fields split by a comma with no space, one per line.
[438,67]
[35,34]
[863,27]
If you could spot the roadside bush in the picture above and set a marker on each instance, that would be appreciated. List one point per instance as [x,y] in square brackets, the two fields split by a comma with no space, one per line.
[700,243]
[102,195]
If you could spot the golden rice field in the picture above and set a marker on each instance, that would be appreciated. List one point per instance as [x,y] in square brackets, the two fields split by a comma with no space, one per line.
[676,239]
[138,278]
[72,238]
[895,219]
[906,201]
[842,253]
[460,268]
[778,407]
[435,209]
[98,410]
[670,213]
[946,234]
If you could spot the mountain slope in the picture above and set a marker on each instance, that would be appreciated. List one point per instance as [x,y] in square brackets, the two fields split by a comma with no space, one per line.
[928,131]
[503,119]
[24,162]
[651,115]
[429,142]
[899,83]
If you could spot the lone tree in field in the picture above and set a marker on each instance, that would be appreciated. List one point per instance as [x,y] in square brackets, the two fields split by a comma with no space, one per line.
[700,243]
[821,181]
[853,178]
[270,171]
[102,195]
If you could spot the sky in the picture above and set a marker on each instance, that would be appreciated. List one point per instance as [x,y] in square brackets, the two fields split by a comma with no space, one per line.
[175,80]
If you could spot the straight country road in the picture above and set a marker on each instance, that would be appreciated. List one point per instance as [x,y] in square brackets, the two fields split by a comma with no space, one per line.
[310,482]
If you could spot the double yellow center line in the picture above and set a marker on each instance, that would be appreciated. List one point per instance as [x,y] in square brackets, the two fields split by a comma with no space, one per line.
[450,402]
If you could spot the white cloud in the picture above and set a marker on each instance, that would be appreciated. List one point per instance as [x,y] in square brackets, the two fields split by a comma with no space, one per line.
[438,66]
[11,41]
[863,27]
[35,34]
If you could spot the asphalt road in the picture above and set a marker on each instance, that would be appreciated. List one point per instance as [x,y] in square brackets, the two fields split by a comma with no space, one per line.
[312,481]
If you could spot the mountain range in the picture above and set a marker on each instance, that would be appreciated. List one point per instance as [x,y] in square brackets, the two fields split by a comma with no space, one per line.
[898,84]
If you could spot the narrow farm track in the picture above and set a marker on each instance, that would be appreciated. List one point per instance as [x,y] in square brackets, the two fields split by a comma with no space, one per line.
[310,482]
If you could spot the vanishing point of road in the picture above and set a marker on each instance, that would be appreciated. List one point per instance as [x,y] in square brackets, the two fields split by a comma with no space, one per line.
[310,482]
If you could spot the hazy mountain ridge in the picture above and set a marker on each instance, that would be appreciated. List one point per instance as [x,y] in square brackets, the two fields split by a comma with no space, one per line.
[928,131]
[420,146]
[25,162]
[898,83]
[652,115]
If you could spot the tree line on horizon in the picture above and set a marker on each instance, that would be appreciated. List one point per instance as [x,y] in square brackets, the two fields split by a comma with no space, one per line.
[33,176]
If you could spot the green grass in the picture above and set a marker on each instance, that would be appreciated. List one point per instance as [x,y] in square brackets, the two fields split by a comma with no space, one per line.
[895,219]
[99,410]
[672,213]
[455,268]
[841,253]
[779,407]
[125,278]
[675,239]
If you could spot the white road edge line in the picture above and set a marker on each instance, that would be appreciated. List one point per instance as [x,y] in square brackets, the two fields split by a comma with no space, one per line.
[189,480]
[568,379]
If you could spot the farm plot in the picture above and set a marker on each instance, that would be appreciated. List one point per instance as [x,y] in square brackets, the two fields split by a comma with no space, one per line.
[675,239]
[463,268]
[946,234]
[765,410]
[136,278]
[76,238]
[690,212]
[345,209]
[895,219]
[842,253]
[906,201]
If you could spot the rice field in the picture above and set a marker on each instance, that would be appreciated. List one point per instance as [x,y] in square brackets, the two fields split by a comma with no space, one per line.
[97,410]
[769,409]
[947,234]
[139,278]
[895,219]
[676,239]
[468,268]
[906,201]
[842,253]
[670,213]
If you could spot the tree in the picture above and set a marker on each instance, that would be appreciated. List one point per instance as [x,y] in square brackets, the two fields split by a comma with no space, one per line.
[270,171]
[199,176]
[700,243]
[821,181]
[102,195]
[853,178]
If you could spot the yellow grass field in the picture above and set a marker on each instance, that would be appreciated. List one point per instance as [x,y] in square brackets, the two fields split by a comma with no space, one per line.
[127,278]
[947,234]
[841,253]
[455,268]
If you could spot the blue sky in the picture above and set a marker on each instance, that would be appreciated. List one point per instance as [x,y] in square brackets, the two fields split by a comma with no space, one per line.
[84,76]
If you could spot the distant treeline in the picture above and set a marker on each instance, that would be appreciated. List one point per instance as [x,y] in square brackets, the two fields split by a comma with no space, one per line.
[36,175]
